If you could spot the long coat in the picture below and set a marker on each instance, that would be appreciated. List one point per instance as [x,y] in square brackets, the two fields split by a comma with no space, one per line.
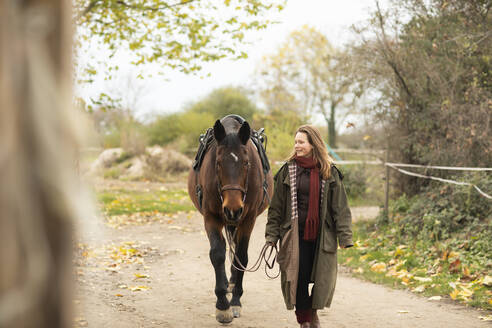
[335,227]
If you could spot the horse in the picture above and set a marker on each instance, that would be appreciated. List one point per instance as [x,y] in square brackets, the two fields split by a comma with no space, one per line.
[230,190]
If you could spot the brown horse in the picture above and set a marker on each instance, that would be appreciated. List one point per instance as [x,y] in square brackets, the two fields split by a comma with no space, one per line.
[231,180]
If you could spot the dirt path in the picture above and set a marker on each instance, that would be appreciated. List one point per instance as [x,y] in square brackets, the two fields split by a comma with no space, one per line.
[168,261]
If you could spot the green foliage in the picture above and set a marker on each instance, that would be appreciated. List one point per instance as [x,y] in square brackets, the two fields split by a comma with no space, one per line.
[116,202]
[355,180]
[455,267]
[280,127]
[181,129]
[179,35]
[112,173]
[225,101]
[440,210]
[438,242]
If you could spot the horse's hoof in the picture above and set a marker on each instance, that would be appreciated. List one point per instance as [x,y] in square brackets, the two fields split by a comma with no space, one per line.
[230,287]
[224,316]
[236,311]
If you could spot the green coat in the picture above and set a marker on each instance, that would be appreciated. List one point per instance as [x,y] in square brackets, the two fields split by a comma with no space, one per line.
[336,221]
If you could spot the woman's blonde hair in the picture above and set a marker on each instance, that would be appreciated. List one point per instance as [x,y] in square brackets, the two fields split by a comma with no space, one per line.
[320,154]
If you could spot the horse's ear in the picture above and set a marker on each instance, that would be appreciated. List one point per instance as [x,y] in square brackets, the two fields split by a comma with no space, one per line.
[244,133]
[219,131]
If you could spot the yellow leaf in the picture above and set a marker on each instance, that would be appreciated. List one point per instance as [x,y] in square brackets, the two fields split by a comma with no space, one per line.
[138,288]
[454,294]
[398,252]
[119,295]
[140,275]
[378,267]
[453,254]
[405,280]
[465,293]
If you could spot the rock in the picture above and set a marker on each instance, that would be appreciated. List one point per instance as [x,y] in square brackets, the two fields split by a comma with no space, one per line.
[106,159]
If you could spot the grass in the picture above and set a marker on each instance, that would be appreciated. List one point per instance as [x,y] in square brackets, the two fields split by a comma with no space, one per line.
[117,202]
[430,268]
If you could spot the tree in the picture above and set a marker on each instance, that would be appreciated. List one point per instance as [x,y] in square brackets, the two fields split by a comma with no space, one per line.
[310,70]
[430,63]
[40,194]
[225,101]
[178,34]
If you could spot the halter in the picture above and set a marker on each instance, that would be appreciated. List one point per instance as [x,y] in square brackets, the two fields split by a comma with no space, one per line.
[232,186]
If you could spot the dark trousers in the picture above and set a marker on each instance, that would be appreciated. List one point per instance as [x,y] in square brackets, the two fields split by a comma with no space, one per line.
[306,260]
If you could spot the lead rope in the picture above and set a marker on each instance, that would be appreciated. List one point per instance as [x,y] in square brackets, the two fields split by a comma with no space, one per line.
[263,256]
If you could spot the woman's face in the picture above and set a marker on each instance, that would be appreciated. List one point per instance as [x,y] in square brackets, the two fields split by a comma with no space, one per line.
[302,146]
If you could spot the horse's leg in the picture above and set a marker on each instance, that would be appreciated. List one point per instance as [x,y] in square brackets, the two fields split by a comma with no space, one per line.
[223,312]
[242,256]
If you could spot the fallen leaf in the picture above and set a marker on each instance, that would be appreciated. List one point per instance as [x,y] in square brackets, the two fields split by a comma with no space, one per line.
[119,295]
[454,266]
[487,281]
[138,288]
[454,294]
[423,279]
[434,298]
[486,317]
[140,275]
[403,311]
[359,270]
[378,267]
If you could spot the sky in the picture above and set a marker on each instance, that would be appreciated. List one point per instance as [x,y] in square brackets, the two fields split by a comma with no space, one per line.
[157,95]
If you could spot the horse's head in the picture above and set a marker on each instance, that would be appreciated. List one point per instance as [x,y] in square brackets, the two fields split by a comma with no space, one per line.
[232,167]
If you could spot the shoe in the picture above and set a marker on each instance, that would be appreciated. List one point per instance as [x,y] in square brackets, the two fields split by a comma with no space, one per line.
[315,320]
[306,325]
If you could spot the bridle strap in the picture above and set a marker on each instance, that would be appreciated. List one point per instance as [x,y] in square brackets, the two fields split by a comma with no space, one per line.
[233,187]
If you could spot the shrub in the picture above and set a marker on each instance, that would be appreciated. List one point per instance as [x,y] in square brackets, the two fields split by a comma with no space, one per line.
[355,180]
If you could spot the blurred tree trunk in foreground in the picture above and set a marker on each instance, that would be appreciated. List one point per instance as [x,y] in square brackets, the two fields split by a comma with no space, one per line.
[39,188]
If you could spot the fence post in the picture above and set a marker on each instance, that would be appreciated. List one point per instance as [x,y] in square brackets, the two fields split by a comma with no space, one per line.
[386,188]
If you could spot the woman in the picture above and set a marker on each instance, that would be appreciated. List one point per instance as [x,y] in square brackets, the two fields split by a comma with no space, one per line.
[308,214]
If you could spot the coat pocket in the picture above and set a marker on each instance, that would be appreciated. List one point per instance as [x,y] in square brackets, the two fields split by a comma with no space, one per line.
[329,239]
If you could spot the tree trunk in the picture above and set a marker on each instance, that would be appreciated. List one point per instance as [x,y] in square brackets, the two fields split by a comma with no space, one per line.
[332,134]
[39,189]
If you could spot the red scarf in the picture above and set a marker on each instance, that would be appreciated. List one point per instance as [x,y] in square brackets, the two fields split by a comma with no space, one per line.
[312,221]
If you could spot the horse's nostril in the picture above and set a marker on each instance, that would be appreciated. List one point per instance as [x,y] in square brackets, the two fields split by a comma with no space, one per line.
[228,213]
[233,215]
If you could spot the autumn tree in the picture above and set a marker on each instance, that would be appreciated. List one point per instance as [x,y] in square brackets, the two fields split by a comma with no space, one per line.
[429,63]
[307,71]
